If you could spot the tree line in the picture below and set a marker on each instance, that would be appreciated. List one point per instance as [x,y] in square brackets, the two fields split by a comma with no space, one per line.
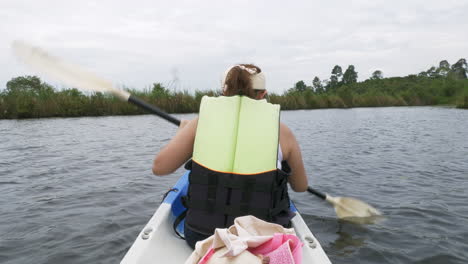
[30,97]
[445,84]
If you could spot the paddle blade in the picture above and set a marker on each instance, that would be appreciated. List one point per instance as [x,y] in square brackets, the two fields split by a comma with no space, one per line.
[69,74]
[346,207]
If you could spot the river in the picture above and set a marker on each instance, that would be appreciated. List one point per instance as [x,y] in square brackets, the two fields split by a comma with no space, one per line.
[79,190]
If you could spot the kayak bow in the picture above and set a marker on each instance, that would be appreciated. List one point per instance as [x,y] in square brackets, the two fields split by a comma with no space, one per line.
[158,241]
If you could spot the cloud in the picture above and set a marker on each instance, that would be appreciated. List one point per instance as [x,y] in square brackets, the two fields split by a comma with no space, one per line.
[140,42]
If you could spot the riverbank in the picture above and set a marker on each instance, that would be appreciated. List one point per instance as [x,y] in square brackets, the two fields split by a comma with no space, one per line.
[29,97]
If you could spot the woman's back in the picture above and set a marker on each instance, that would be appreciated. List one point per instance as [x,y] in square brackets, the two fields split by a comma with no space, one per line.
[218,193]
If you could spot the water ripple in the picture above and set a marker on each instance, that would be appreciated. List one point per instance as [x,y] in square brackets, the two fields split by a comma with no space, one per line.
[81,189]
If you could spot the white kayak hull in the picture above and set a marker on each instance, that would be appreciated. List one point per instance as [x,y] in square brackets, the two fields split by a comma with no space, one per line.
[158,243]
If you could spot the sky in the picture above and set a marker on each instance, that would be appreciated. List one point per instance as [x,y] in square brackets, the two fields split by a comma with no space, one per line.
[187,45]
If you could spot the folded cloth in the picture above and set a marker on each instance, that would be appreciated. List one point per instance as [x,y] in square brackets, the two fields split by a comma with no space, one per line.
[248,232]
[282,248]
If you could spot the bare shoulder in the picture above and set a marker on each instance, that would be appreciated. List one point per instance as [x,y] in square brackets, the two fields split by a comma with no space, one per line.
[190,124]
[286,140]
[194,121]
[285,132]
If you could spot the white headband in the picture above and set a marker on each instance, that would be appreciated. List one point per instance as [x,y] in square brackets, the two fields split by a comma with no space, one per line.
[257,79]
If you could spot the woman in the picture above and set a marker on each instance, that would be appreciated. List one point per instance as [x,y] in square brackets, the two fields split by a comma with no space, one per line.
[246,80]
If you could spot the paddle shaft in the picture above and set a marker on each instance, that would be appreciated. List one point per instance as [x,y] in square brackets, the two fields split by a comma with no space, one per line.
[317,193]
[153,109]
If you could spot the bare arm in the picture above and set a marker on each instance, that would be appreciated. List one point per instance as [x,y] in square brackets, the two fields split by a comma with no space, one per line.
[177,151]
[292,154]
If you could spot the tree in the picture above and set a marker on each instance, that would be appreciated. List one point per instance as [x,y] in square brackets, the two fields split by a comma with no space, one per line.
[159,90]
[335,78]
[458,70]
[350,75]
[72,93]
[28,84]
[432,72]
[317,84]
[444,68]
[377,75]
[421,74]
[300,86]
[325,84]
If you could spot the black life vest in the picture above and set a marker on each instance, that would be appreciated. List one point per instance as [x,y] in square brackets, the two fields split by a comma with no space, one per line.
[215,199]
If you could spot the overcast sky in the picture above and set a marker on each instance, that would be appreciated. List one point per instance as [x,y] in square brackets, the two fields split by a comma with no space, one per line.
[188,44]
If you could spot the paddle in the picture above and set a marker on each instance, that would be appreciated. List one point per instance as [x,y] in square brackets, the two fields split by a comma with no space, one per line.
[74,76]
[77,77]
[347,207]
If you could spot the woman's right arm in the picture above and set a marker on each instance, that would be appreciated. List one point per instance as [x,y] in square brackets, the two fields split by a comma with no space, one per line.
[292,154]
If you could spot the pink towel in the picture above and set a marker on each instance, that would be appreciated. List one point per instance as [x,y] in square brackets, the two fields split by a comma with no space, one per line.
[244,241]
[282,248]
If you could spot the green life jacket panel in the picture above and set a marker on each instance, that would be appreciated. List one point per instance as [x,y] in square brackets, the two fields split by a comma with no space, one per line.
[234,165]
[237,135]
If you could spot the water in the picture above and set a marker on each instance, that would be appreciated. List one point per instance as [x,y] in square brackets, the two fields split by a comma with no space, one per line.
[78,190]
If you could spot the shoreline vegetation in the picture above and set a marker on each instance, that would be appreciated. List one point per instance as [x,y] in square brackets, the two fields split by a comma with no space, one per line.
[29,97]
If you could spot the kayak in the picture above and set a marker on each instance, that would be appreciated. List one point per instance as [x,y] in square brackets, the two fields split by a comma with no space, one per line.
[158,242]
